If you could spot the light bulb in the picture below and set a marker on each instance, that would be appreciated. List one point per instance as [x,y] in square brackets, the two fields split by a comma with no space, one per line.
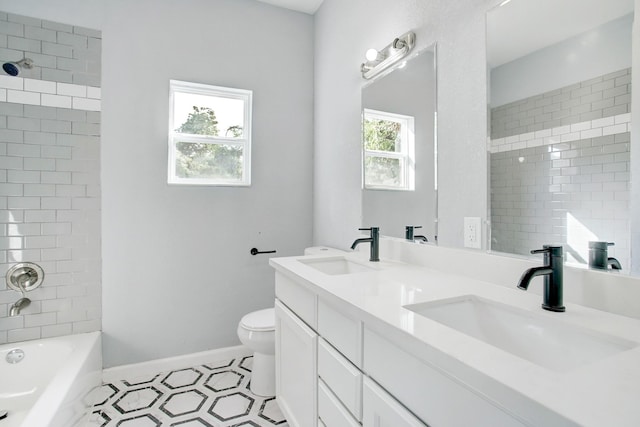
[372,55]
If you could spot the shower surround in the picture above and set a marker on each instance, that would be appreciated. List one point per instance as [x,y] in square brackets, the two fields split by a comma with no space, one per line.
[50,175]
[560,169]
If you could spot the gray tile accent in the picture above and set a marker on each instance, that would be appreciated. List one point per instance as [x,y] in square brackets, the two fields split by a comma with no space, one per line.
[52,46]
[603,96]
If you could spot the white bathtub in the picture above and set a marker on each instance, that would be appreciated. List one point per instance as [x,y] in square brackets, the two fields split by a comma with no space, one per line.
[49,386]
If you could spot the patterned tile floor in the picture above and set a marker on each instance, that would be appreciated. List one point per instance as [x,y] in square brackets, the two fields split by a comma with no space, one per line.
[211,395]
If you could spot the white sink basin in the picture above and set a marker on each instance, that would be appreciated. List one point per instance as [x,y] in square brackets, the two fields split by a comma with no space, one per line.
[336,265]
[546,342]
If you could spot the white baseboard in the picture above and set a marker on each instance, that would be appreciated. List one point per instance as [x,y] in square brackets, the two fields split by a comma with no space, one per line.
[173,363]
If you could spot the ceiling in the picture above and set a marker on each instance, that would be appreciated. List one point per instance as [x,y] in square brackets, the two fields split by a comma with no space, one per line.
[306,6]
[510,27]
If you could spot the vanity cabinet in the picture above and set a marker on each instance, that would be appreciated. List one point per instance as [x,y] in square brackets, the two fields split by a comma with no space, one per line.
[319,380]
[334,370]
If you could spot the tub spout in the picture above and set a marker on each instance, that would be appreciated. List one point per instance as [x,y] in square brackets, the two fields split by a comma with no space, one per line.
[18,306]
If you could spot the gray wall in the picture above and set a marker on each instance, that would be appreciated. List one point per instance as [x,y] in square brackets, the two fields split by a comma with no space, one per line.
[459,29]
[50,176]
[600,51]
[177,273]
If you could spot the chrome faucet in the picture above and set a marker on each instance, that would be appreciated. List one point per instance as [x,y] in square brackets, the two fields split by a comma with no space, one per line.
[552,272]
[599,256]
[18,306]
[23,302]
[374,240]
[408,233]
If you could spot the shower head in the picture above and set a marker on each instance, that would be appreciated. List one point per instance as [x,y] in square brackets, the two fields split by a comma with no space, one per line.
[13,68]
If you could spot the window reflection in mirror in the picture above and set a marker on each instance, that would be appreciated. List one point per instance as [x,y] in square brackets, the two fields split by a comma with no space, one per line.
[388,150]
[399,146]
[559,101]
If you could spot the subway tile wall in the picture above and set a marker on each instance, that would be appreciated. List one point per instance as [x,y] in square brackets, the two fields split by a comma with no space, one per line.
[61,53]
[604,96]
[560,170]
[567,193]
[50,176]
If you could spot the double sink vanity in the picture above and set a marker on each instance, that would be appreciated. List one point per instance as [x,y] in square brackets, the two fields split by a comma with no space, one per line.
[413,341]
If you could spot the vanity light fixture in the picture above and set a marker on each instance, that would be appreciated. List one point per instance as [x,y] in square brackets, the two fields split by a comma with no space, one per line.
[381,60]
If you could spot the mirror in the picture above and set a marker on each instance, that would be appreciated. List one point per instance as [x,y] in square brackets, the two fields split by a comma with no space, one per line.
[399,148]
[559,142]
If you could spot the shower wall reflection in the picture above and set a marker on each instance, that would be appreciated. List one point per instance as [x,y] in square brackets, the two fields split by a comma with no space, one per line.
[560,142]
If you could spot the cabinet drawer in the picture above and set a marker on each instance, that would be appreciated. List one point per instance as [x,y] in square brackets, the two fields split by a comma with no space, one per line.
[330,410]
[344,379]
[382,410]
[298,299]
[343,332]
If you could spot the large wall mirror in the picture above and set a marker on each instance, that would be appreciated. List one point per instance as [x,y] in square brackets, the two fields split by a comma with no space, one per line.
[559,148]
[400,148]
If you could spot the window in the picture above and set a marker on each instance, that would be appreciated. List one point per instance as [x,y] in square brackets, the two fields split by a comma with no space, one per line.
[209,135]
[388,151]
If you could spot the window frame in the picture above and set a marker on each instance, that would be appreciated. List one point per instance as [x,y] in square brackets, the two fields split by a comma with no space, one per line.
[406,155]
[174,137]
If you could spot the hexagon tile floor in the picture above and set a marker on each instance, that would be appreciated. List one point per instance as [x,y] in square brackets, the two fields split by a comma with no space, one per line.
[211,395]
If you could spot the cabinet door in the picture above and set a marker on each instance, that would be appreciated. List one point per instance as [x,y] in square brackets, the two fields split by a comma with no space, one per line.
[380,409]
[296,368]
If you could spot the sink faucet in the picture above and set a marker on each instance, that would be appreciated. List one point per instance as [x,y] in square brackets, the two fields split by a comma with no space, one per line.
[408,233]
[374,240]
[552,272]
[18,306]
[599,257]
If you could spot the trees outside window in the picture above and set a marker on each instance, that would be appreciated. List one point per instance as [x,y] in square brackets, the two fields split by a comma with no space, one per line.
[209,135]
[388,140]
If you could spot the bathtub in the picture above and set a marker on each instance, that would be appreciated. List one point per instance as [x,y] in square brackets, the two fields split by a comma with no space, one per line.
[49,386]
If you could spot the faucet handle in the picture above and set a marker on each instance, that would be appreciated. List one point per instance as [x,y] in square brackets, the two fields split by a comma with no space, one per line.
[600,245]
[553,250]
[541,251]
[413,226]
[553,254]
[371,229]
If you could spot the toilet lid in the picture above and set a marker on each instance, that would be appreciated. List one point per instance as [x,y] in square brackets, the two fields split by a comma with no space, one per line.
[261,320]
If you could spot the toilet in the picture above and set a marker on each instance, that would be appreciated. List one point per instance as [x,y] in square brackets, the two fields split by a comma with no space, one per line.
[257,331]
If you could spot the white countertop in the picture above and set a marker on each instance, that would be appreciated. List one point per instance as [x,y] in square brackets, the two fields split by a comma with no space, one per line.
[602,393]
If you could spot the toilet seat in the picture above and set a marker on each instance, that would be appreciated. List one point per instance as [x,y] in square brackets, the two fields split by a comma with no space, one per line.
[261,320]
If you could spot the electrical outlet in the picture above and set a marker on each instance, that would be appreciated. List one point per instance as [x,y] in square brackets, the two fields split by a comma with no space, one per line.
[472,232]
